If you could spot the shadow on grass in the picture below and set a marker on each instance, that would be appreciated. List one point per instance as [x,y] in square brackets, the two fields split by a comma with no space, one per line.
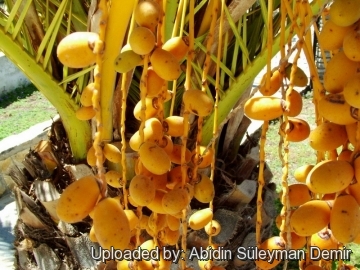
[18,93]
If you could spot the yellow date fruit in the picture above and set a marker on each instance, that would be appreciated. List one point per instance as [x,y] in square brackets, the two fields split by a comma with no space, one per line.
[114,178]
[151,109]
[273,243]
[167,144]
[175,201]
[142,40]
[124,264]
[154,158]
[339,70]
[154,83]
[324,240]
[345,155]
[165,64]
[85,113]
[300,79]
[175,176]
[200,218]
[351,45]
[73,206]
[198,102]
[213,228]
[330,176]
[153,132]
[169,237]
[351,133]
[175,155]
[132,218]
[177,46]
[205,158]
[274,86]
[142,190]
[345,218]
[352,91]
[147,13]
[344,12]
[297,241]
[204,190]
[295,104]
[111,224]
[327,136]
[334,108]
[127,60]
[156,204]
[173,222]
[332,36]
[76,49]
[112,153]
[157,222]
[354,188]
[302,172]
[146,264]
[310,217]
[298,194]
[92,235]
[296,129]
[86,95]
[91,157]
[174,126]
[264,108]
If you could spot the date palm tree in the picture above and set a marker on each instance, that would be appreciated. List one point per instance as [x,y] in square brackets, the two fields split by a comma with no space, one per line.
[30,31]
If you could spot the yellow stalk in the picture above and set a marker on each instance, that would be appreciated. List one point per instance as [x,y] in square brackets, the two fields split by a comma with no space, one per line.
[132,22]
[96,98]
[183,18]
[284,179]
[160,28]
[163,22]
[209,42]
[261,183]
[143,91]
[318,87]
[123,138]
[269,43]
[217,85]
[186,123]
[204,84]
[208,17]
[117,24]
[178,18]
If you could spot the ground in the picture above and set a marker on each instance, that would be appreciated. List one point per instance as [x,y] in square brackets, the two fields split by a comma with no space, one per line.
[23,108]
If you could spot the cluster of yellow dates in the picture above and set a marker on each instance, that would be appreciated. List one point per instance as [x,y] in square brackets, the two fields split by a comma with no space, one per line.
[325,201]
[158,183]
[268,107]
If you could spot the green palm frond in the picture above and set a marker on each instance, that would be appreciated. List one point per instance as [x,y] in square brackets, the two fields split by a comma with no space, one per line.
[54,19]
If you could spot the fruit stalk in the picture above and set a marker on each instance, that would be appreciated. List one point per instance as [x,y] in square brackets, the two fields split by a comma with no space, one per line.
[261,182]
[96,99]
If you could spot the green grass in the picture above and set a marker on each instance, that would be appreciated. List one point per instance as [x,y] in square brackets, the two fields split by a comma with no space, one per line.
[300,153]
[23,108]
